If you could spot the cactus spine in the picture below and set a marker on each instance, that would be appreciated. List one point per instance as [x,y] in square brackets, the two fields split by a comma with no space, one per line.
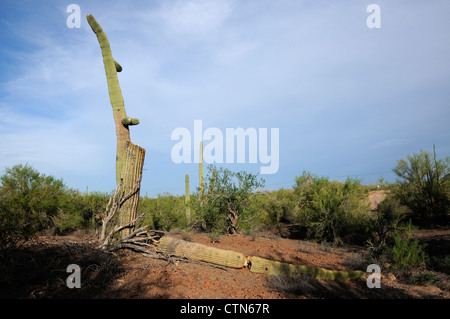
[187,199]
[130,157]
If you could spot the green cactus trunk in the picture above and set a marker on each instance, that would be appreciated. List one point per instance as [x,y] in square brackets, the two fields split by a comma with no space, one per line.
[276,268]
[200,170]
[187,200]
[212,181]
[177,247]
[130,157]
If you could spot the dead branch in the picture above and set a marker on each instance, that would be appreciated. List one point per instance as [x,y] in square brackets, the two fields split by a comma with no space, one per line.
[141,250]
[111,210]
[131,193]
[140,240]
[115,202]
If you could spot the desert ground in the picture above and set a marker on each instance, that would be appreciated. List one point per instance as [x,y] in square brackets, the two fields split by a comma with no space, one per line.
[41,271]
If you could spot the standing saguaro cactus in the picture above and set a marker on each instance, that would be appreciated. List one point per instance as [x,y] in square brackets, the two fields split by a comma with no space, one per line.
[130,157]
[200,169]
[187,200]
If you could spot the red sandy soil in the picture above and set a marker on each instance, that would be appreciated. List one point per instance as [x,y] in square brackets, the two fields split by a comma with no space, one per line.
[129,275]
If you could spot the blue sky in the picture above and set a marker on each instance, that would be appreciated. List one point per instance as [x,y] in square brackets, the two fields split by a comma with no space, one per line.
[348,100]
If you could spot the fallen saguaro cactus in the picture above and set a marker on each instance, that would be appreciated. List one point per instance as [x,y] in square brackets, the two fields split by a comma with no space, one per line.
[270,267]
[177,247]
[181,248]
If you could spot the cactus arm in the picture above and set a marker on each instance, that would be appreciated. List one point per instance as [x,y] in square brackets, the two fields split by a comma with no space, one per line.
[115,94]
[118,66]
[129,121]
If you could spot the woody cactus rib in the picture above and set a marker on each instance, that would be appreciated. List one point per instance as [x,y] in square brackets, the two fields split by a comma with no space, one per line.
[130,157]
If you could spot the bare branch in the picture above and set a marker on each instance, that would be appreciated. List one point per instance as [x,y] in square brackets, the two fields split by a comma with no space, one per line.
[131,193]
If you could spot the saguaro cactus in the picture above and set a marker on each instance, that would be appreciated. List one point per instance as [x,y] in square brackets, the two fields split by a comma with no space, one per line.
[130,157]
[187,199]
[200,170]
[178,247]
[270,267]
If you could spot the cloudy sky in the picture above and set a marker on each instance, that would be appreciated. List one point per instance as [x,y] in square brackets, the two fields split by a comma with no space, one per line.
[348,100]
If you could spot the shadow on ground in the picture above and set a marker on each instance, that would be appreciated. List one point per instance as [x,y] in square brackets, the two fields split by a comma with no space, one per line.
[331,289]
[40,271]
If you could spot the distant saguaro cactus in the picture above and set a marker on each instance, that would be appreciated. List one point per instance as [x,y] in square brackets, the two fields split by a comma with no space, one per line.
[130,157]
[200,170]
[187,200]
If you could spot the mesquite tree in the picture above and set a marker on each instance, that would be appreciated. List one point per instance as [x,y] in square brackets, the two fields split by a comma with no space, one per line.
[226,196]
[130,157]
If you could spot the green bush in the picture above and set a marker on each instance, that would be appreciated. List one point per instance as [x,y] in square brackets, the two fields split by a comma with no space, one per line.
[422,185]
[225,205]
[389,216]
[165,212]
[276,206]
[32,202]
[406,253]
[29,202]
[79,211]
[333,211]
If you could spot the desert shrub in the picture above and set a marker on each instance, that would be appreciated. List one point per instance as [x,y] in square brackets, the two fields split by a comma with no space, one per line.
[13,231]
[29,202]
[79,211]
[392,241]
[387,220]
[423,187]
[333,211]
[165,212]
[224,205]
[406,253]
[33,202]
[276,206]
